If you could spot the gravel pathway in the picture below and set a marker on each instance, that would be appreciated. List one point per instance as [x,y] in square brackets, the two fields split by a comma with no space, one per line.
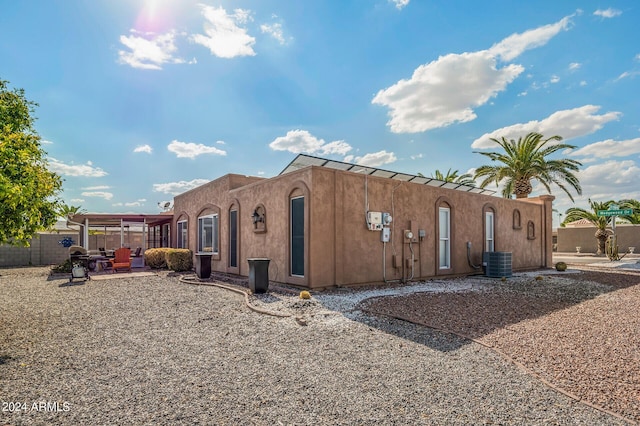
[153,350]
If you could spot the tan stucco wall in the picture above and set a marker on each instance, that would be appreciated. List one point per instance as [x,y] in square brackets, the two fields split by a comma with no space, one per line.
[584,237]
[340,250]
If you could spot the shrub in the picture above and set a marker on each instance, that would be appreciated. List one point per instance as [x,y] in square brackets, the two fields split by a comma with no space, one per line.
[64,267]
[304,294]
[561,266]
[179,260]
[156,258]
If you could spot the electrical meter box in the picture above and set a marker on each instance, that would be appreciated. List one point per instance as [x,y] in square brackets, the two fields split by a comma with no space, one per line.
[385,236]
[374,221]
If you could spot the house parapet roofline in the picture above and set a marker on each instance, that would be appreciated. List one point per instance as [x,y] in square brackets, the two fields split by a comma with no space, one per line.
[304,160]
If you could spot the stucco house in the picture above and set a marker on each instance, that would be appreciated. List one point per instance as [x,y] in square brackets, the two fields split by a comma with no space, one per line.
[327,223]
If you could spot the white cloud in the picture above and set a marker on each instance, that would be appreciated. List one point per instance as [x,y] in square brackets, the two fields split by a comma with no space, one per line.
[554,79]
[628,74]
[77,200]
[609,148]
[447,90]
[149,53]
[604,177]
[223,35]
[221,142]
[416,157]
[400,3]
[583,83]
[574,66]
[96,188]
[86,170]
[274,30]
[336,147]
[637,57]
[299,141]
[175,188]
[46,142]
[607,13]
[98,194]
[444,91]
[374,159]
[143,148]
[514,45]
[192,150]
[570,123]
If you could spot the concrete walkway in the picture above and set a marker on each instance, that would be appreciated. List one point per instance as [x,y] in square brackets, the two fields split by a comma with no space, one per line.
[590,259]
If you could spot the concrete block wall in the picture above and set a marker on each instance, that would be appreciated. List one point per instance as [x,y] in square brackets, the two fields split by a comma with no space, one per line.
[44,250]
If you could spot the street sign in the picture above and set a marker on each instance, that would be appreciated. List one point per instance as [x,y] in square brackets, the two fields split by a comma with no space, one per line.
[619,212]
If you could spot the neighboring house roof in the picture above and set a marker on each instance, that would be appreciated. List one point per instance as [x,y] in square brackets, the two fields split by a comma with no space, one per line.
[60,226]
[579,224]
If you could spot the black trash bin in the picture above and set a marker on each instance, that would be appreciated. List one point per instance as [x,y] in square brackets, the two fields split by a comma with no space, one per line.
[258,275]
[203,265]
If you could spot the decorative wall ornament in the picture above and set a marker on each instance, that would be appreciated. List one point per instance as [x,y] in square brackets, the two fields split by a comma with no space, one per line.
[259,219]
[531,230]
[516,219]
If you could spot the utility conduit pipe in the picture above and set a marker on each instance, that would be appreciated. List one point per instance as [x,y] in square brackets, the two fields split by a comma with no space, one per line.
[469,257]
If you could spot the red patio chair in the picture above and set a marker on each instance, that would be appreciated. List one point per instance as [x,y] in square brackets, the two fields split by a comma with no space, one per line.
[122,259]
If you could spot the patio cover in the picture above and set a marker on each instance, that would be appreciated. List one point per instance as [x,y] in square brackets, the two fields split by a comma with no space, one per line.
[118,220]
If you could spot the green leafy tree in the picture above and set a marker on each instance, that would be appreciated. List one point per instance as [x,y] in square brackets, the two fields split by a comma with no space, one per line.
[28,190]
[600,222]
[526,160]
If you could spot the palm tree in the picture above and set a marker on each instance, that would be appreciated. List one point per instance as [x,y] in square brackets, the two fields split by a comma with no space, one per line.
[525,160]
[452,176]
[67,211]
[600,222]
[633,205]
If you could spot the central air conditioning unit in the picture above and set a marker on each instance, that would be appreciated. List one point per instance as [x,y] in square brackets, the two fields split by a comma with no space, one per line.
[497,264]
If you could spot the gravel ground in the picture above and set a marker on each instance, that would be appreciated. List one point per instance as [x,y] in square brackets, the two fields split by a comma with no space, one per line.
[154,350]
[579,332]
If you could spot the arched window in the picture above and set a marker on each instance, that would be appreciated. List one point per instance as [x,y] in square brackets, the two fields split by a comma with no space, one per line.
[296,204]
[298,209]
[182,232]
[444,235]
[234,231]
[208,236]
[489,220]
[489,230]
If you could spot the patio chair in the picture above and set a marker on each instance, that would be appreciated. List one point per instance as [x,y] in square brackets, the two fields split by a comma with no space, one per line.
[122,259]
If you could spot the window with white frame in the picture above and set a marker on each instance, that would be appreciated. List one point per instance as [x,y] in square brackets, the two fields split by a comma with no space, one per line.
[489,244]
[208,233]
[444,235]
[181,240]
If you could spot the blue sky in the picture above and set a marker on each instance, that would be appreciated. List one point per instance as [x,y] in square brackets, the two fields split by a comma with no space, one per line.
[144,99]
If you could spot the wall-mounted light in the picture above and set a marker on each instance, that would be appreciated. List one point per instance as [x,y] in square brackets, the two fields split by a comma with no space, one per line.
[257,217]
